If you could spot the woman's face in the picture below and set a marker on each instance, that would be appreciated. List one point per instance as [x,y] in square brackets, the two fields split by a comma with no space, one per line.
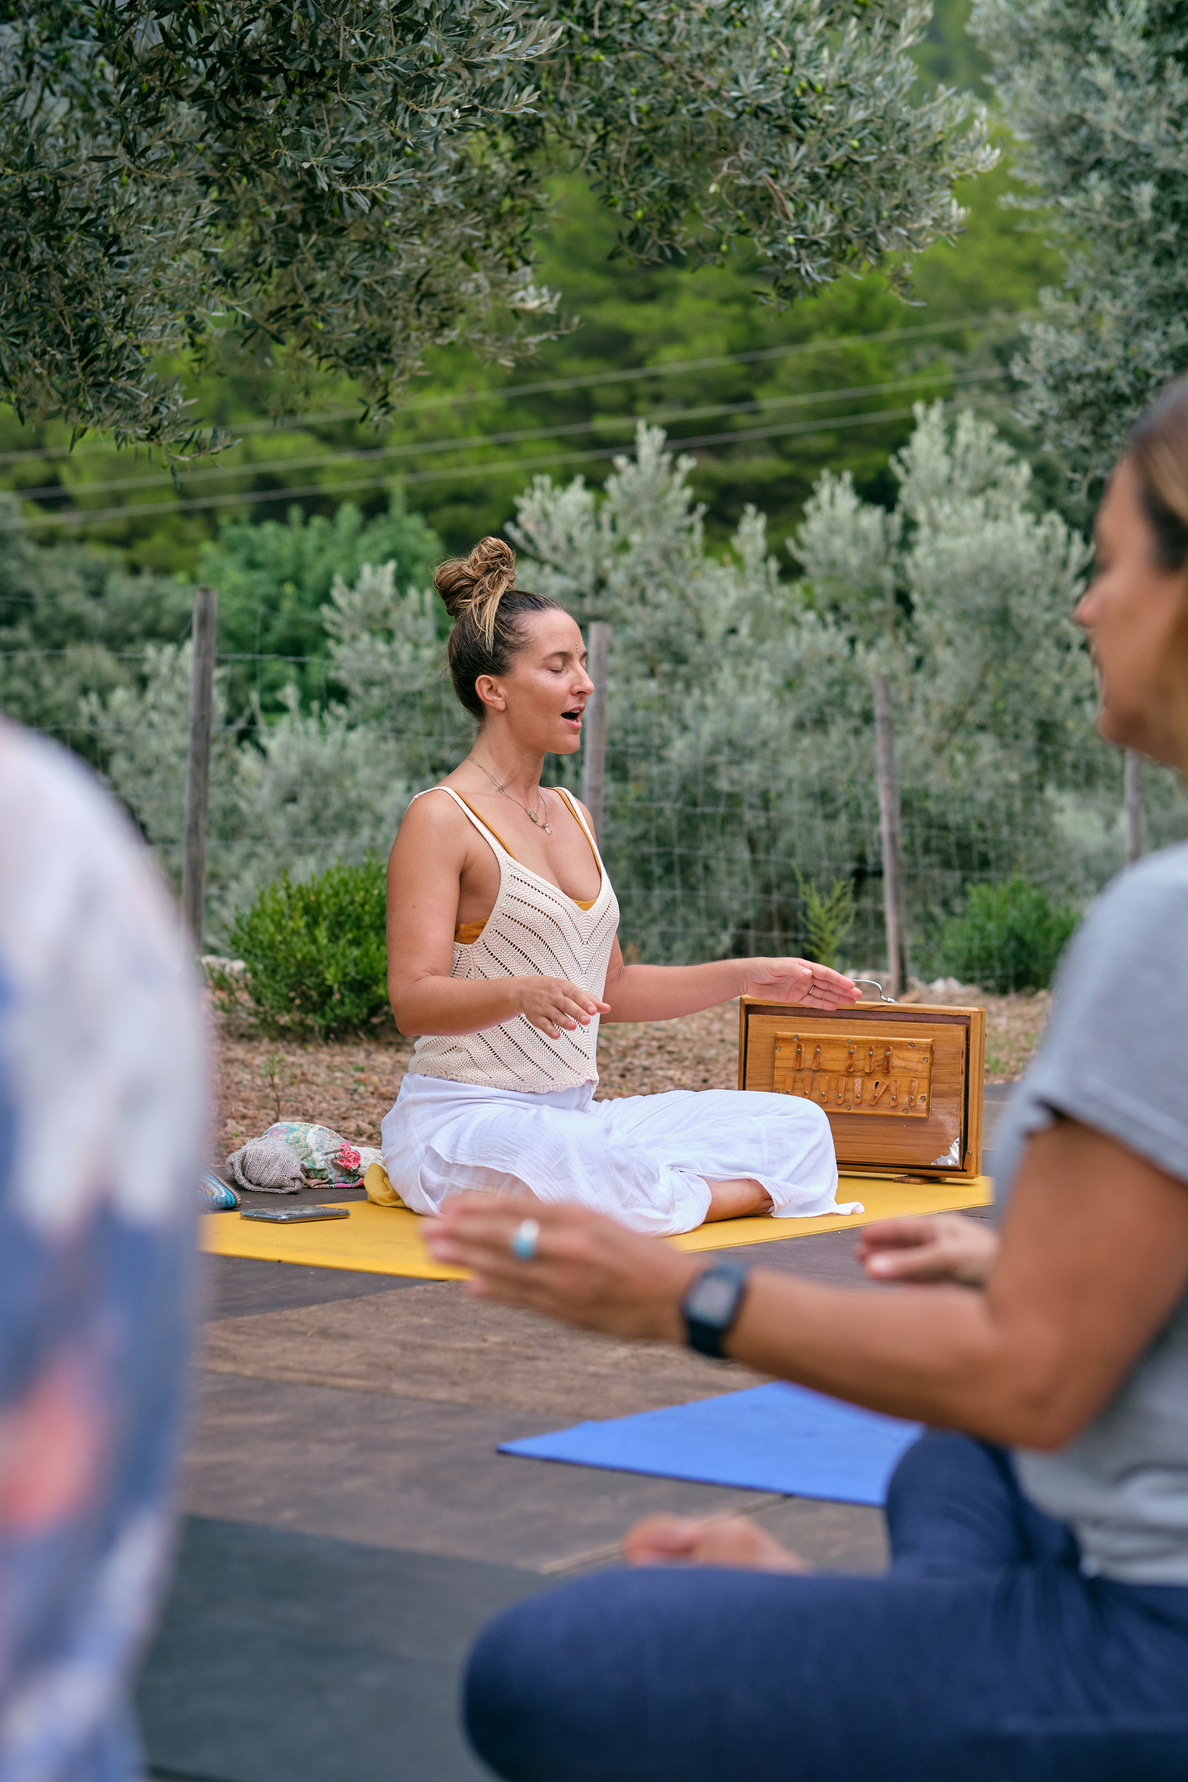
[543,695]
[1134,612]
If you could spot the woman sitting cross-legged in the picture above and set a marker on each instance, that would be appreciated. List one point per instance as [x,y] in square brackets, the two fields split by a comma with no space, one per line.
[503,957]
[1033,1624]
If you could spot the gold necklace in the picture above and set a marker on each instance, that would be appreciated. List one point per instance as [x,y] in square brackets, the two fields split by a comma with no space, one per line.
[533,816]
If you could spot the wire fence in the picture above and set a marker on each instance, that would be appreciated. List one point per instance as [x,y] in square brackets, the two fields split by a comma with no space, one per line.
[714,848]
[715,856]
[748,802]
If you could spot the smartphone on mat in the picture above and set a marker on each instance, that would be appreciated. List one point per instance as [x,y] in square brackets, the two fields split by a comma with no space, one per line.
[294,1215]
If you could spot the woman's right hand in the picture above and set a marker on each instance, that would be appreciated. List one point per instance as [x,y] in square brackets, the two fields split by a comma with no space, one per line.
[554,1003]
[937,1247]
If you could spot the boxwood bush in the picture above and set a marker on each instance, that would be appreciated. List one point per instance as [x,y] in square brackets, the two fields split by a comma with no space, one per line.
[1009,938]
[315,951]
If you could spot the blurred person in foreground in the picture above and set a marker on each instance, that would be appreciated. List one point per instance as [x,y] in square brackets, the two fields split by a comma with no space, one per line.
[101,1108]
[1034,1620]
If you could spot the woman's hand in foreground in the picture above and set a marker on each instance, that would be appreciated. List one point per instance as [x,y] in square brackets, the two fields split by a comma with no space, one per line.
[734,1541]
[554,1003]
[798,980]
[587,1270]
[1094,1261]
[938,1247]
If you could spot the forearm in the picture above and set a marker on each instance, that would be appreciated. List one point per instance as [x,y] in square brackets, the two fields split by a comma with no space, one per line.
[1093,1262]
[930,1354]
[440,1005]
[662,992]
[933,1354]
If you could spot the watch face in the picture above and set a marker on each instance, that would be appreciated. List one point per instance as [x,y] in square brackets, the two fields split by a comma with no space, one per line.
[713,1298]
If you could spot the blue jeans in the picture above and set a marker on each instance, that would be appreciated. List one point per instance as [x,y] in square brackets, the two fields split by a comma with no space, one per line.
[983,1655]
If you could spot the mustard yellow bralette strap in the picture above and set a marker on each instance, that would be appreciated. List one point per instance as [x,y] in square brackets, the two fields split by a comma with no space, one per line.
[577,817]
[479,818]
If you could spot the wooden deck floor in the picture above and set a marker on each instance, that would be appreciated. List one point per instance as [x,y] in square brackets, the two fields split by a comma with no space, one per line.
[350,1525]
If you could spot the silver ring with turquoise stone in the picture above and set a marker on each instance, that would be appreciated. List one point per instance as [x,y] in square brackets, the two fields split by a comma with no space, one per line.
[525,1238]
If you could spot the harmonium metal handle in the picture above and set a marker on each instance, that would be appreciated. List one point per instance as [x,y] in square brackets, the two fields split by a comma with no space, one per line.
[883,997]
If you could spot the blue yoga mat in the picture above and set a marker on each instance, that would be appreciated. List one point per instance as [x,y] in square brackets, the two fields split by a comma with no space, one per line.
[766,1438]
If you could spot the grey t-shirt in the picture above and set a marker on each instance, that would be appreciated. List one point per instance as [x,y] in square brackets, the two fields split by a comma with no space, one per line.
[1115,1057]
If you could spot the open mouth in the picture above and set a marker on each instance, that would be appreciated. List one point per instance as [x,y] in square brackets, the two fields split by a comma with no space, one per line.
[574,716]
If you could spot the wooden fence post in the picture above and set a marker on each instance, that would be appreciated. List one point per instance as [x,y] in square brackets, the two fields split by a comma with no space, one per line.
[594,727]
[205,640]
[1132,805]
[894,902]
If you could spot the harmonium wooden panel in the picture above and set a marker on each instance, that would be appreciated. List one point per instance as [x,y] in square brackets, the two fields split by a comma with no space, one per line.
[901,1084]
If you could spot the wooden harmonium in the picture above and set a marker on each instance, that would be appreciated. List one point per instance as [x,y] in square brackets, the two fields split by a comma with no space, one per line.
[902,1084]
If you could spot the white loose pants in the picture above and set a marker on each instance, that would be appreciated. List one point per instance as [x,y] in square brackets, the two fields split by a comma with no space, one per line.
[644,1160]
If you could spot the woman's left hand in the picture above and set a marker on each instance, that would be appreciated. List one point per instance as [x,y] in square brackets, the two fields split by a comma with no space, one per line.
[587,1270]
[798,980]
[929,1247]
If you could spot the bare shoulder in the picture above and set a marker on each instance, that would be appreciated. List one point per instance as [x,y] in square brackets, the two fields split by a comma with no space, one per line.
[432,824]
[431,815]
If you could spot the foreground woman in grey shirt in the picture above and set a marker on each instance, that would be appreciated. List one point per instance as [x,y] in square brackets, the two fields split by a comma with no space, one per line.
[1034,1622]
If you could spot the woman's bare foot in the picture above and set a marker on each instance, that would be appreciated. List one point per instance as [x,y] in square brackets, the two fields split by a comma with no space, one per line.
[736,1199]
[734,1541]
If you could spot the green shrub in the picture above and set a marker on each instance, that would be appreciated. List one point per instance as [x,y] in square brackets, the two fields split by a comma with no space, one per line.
[1010,937]
[315,952]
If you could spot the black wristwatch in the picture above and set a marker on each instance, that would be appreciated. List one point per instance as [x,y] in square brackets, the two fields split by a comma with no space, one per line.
[711,1307]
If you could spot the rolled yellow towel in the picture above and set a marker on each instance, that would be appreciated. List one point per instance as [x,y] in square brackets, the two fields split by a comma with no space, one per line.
[379,1187]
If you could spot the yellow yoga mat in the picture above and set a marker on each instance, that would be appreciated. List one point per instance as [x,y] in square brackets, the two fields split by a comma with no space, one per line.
[389,1241]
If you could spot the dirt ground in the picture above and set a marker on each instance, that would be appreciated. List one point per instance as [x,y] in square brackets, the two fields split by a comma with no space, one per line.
[350,1084]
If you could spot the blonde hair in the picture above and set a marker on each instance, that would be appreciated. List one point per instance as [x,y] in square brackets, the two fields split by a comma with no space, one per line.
[480,595]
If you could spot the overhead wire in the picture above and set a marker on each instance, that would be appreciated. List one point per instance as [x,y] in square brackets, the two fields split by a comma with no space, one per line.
[676,367]
[584,380]
[255,498]
[415,448]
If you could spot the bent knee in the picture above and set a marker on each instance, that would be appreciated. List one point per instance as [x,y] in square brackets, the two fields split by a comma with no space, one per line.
[821,1124]
[541,1676]
[798,1108]
[509,1676]
[809,1121]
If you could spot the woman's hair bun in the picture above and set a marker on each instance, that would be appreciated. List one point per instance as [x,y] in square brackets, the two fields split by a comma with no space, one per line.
[488,611]
[472,587]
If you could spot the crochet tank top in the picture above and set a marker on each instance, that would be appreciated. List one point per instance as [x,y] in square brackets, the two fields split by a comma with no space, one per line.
[533,930]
